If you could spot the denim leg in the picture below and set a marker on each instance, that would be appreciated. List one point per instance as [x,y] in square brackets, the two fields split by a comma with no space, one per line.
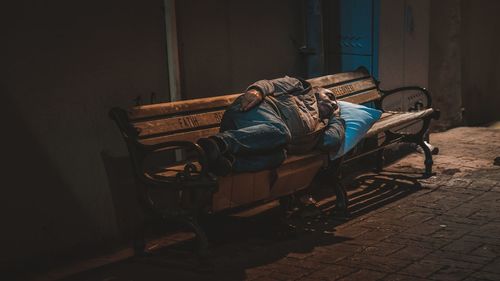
[259,162]
[255,131]
[256,138]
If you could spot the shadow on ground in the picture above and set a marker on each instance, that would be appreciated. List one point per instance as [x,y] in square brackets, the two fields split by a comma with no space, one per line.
[242,243]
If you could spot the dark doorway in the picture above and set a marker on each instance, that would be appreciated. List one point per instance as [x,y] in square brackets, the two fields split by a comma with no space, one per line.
[227,44]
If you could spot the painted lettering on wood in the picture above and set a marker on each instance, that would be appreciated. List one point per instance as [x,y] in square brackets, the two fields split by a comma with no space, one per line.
[342,90]
[358,86]
[179,123]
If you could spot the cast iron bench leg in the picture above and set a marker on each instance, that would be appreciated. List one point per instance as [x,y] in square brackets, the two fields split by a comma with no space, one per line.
[380,160]
[421,139]
[428,158]
[342,201]
[139,241]
[284,229]
[192,223]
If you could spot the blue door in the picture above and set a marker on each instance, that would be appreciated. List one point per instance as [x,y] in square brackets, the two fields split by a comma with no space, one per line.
[359,21]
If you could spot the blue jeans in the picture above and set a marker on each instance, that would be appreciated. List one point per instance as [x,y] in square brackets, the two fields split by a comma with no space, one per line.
[257,138]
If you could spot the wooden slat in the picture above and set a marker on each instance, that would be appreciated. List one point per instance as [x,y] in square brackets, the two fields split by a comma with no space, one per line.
[179,107]
[387,114]
[363,97]
[325,81]
[350,88]
[243,185]
[262,185]
[397,120]
[207,119]
[179,123]
[296,175]
[222,198]
[301,157]
[192,136]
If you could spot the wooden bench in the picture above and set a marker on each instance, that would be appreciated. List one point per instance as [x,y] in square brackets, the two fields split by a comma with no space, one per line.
[149,130]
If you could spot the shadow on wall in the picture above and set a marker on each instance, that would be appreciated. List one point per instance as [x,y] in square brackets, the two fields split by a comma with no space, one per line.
[122,186]
[331,25]
[69,63]
[36,201]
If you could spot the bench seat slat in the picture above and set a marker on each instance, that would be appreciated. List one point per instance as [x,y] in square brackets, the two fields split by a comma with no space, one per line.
[397,119]
[237,189]
[170,171]
[387,114]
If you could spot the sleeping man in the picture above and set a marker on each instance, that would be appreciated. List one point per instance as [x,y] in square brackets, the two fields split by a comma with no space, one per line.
[273,118]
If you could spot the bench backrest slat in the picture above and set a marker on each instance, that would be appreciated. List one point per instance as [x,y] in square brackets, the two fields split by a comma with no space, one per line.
[180,107]
[191,136]
[363,97]
[178,124]
[353,88]
[334,79]
[191,119]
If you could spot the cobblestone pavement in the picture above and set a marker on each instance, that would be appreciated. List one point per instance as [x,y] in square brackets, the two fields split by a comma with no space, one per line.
[403,227]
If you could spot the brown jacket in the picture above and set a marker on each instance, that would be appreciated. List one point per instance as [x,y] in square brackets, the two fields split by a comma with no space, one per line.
[296,101]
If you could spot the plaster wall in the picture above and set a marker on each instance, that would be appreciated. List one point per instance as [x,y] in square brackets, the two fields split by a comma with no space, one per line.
[480,61]
[403,49]
[64,65]
[403,43]
[445,69]
[465,62]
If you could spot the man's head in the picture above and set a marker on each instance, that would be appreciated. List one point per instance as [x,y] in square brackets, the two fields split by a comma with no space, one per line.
[327,103]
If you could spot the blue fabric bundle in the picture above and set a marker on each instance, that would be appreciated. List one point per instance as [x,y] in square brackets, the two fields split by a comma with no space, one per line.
[358,120]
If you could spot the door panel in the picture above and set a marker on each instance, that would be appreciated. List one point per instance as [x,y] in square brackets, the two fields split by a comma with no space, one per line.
[351,62]
[351,27]
[356,27]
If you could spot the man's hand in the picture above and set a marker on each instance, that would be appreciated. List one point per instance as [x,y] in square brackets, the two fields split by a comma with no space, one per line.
[250,99]
[336,110]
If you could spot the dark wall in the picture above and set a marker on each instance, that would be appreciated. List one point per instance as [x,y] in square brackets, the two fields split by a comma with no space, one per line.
[480,60]
[445,61]
[64,65]
[331,35]
[464,70]
[225,45]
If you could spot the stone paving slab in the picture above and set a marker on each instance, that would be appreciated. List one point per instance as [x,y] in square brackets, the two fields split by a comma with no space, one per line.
[446,227]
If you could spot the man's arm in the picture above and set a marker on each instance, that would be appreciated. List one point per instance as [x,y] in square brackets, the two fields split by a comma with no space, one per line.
[278,86]
[334,135]
[256,92]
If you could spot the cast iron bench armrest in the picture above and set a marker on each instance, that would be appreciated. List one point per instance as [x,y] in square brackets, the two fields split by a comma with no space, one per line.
[188,168]
[386,93]
[151,148]
[152,181]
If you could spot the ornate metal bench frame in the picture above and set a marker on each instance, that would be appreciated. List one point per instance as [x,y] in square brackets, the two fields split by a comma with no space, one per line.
[152,129]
